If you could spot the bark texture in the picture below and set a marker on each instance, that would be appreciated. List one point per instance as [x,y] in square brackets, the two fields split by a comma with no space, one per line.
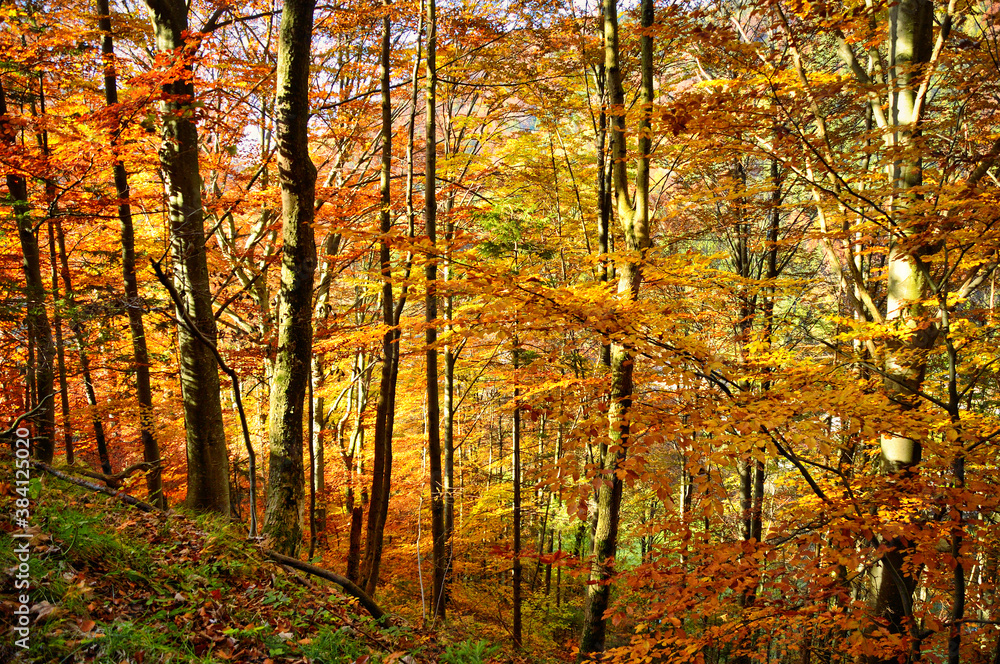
[634,217]
[283,519]
[133,302]
[438,534]
[382,460]
[207,455]
[43,443]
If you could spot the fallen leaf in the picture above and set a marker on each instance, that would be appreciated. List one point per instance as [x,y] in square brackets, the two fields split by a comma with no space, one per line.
[42,609]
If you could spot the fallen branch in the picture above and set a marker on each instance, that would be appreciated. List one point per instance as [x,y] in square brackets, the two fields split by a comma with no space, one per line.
[114,481]
[135,502]
[349,586]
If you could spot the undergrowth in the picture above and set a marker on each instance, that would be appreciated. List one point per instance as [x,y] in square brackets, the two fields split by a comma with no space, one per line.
[112,584]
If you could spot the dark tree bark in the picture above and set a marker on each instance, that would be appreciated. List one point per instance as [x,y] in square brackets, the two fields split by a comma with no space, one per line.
[439,552]
[516,472]
[207,455]
[133,302]
[39,330]
[297,175]
[80,333]
[60,352]
[378,509]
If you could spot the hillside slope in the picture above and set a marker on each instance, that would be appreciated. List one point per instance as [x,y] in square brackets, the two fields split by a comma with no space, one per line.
[110,583]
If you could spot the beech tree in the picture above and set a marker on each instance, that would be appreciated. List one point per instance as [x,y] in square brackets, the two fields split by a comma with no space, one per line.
[297,175]
[633,213]
[39,329]
[133,302]
[438,532]
[207,456]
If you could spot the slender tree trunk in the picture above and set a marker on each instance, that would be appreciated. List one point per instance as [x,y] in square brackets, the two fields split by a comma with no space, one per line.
[433,407]
[516,473]
[207,454]
[635,225]
[297,175]
[604,185]
[30,383]
[319,422]
[390,412]
[80,334]
[559,575]
[382,461]
[331,246]
[450,360]
[133,302]
[311,443]
[605,213]
[88,384]
[43,366]
[911,25]
[60,354]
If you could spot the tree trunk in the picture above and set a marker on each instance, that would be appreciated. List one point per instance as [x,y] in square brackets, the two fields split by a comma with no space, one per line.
[911,22]
[635,225]
[516,474]
[382,461]
[60,354]
[79,332]
[430,273]
[286,480]
[321,312]
[207,454]
[133,303]
[319,422]
[43,443]
[354,544]
[911,30]
[450,359]
[604,186]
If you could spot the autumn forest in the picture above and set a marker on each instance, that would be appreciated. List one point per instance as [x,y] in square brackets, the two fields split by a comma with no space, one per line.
[653,331]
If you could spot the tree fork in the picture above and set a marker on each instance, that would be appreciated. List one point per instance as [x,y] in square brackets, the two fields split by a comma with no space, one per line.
[634,217]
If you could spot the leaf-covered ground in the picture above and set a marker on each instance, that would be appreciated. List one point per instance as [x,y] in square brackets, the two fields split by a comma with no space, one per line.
[113,584]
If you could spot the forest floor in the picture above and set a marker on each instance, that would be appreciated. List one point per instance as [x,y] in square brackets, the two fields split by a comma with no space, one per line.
[110,583]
